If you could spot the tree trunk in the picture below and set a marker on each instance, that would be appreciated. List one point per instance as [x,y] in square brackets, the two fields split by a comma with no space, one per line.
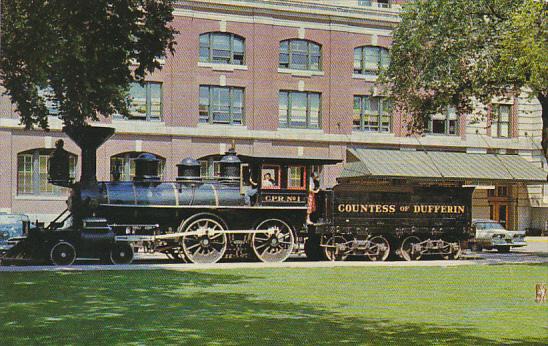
[544,103]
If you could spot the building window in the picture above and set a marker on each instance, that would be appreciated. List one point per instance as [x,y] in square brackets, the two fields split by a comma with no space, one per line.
[299,109]
[300,55]
[221,105]
[222,48]
[145,102]
[383,3]
[444,124]
[368,60]
[501,120]
[32,173]
[124,164]
[372,113]
[52,103]
[364,2]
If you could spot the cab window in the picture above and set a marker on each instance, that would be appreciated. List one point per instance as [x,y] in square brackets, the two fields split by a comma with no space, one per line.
[296,177]
[270,177]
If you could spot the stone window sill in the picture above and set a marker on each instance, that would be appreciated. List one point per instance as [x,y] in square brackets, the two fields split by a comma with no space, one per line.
[364,77]
[40,198]
[222,67]
[300,73]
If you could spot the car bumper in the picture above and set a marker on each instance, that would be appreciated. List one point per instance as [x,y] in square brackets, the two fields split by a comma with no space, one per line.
[508,242]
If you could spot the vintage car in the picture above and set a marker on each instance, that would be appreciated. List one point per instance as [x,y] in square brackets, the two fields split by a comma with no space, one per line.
[490,234]
[12,228]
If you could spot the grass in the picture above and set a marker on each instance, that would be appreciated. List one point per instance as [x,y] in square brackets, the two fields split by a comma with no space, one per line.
[453,305]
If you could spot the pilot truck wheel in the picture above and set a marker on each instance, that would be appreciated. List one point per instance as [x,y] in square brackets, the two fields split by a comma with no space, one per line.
[407,251]
[121,253]
[62,254]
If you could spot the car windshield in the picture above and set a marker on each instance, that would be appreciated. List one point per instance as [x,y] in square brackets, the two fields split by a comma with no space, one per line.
[488,225]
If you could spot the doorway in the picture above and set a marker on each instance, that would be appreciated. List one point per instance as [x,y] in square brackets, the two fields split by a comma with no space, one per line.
[499,213]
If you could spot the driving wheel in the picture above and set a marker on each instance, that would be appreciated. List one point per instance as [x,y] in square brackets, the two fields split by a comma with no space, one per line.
[274,245]
[208,245]
[378,249]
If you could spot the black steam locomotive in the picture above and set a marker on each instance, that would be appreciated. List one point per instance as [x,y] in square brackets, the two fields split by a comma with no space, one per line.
[256,208]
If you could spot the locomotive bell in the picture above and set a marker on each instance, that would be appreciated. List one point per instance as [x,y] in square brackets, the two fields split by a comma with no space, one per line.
[147,167]
[188,170]
[230,166]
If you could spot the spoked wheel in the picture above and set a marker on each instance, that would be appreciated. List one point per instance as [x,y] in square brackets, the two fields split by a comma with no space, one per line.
[274,245]
[121,253]
[379,248]
[62,254]
[407,251]
[331,248]
[208,246]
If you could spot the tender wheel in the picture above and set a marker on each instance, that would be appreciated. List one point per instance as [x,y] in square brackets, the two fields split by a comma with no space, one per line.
[456,251]
[62,254]
[208,245]
[121,253]
[379,248]
[334,248]
[503,249]
[406,250]
[276,244]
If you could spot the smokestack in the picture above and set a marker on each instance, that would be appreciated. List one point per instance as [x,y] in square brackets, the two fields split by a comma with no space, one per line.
[89,138]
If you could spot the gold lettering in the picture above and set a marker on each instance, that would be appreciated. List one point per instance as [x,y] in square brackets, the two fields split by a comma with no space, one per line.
[392,208]
[460,209]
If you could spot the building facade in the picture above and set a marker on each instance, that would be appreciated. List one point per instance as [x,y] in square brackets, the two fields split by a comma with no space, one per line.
[284,78]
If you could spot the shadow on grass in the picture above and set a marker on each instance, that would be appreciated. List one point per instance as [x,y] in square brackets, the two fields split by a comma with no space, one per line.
[158,307]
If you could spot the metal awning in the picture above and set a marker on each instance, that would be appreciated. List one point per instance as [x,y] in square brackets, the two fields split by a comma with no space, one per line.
[439,165]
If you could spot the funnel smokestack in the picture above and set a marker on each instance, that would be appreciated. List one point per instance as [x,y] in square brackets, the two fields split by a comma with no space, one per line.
[89,138]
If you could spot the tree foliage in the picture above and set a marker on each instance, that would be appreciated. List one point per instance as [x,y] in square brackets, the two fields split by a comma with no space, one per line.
[83,53]
[464,53]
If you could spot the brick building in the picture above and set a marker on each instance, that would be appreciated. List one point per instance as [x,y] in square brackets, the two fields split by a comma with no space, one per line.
[293,78]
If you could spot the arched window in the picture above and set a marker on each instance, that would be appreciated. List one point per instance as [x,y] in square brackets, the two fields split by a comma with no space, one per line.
[368,60]
[124,164]
[300,55]
[222,48]
[32,173]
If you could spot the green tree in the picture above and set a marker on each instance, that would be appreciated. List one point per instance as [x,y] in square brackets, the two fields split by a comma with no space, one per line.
[83,53]
[461,52]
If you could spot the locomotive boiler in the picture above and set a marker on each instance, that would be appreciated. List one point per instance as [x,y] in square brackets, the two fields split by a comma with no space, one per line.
[256,207]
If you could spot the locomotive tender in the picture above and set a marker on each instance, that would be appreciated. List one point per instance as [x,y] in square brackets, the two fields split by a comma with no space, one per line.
[204,220]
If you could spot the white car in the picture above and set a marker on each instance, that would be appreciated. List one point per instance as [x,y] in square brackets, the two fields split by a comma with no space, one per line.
[490,234]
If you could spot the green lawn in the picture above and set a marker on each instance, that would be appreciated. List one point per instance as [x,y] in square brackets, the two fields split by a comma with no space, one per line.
[453,305]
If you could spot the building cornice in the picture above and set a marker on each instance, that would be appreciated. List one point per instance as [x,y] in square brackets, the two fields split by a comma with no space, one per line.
[298,11]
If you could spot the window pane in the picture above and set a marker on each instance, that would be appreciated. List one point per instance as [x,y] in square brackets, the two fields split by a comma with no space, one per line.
[385,57]
[204,54]
[284,46]
[358,60]
[295,177]
[371,58]
[504,113]
[299,61]
[155,100]
[221,41]
[298,110]
[315,62]
[314,110]
[24,174]
[452,127]
[283,104]
[204,40]
[238,45]
[204,104]
[504,130]
[356,122]
[438,126]
[220,107]
[284,60]
[299,45]
[138,106]
[237,106]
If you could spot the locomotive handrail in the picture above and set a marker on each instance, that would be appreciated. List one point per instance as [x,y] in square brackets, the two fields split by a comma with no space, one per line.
[52,225]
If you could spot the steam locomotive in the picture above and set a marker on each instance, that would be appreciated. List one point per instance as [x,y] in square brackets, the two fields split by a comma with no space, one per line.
[239,214]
